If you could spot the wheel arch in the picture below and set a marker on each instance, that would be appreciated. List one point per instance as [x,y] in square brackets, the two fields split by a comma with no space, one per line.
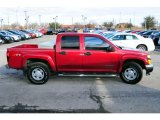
[49,63]
[142,45]
[140,62]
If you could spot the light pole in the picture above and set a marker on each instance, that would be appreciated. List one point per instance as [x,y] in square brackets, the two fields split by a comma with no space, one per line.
[55,22]
[26,19]
[8,23]
[40,20]
[84,18]
[16,16]
[1,24]
[130,21]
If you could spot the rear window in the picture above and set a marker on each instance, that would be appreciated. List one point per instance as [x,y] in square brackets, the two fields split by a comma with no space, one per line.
[70,42]
[131,37]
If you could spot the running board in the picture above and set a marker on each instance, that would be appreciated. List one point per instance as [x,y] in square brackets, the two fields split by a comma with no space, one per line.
[88,75]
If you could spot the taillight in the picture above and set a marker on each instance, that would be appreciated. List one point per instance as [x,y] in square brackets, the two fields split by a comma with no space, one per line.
[7,56]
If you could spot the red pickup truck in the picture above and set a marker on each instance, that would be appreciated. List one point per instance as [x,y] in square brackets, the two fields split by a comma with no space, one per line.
[79,54]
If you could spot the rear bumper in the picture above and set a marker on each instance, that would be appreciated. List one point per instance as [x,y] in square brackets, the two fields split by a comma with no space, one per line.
[149,68]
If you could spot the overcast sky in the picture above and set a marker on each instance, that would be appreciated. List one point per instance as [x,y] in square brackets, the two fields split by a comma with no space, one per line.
[69,11]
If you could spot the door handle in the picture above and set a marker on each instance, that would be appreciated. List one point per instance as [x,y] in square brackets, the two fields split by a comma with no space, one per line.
[63,53]
[87,53]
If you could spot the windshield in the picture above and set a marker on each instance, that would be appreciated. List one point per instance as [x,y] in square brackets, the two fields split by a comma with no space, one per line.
[109,35]
[157,34]
[9,33]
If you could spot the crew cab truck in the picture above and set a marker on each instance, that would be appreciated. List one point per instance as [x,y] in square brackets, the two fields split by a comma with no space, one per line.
[79,54]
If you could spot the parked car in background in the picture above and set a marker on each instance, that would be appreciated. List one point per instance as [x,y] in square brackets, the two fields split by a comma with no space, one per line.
[140,33]
[16,38]
[130,40]
[1,41]
[16,33]
[6,38]
[33,35]
[50,32]
[136,31]
[100,32]
[155,37]
[108,34]
[27,35]
[159,41]
[127,31]
[37,33]
[148,33]
[43,31]
[60,31]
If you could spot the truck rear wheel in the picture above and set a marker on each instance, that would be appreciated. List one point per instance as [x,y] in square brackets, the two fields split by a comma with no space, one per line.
[131,73]
[38,73]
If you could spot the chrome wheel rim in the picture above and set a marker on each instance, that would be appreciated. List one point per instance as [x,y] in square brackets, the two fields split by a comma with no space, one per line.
[130,74]
[38,74]
[142,48]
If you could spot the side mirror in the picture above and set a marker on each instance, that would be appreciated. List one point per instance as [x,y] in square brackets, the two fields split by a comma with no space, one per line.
[110,49]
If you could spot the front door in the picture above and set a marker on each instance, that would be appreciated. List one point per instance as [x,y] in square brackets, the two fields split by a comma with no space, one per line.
[96,58]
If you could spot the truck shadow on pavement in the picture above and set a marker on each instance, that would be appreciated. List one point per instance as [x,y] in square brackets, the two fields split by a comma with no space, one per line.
[10,74]
[107,95]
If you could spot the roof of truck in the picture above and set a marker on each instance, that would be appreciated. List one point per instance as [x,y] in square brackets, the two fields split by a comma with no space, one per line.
[75,33]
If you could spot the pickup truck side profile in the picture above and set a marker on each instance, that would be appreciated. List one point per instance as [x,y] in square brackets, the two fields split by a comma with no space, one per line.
[79,54]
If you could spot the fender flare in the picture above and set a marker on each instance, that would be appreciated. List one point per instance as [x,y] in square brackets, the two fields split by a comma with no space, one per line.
[43,57]
[130,58]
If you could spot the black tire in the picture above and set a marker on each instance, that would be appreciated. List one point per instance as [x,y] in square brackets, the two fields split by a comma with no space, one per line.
[38,73]
[135,75]
[142,47]
[155,41]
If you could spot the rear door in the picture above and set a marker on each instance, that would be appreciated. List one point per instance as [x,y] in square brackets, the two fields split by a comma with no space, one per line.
[69,54]
[118,40]
[130,41]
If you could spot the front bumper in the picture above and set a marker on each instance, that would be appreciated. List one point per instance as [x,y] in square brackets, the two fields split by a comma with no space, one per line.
[149,68]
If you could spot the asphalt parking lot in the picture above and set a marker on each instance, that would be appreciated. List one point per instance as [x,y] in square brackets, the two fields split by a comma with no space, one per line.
[77,94]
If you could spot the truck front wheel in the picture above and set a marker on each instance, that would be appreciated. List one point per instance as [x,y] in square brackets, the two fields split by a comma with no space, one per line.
[131,73]
[38,73]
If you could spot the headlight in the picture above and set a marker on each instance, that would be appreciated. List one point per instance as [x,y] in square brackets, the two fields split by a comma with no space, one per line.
[7,38]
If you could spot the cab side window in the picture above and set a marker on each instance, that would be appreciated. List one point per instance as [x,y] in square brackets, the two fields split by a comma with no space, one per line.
[95,43]
[70,42]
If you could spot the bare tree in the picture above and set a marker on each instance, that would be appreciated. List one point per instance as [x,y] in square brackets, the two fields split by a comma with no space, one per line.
[149,22]
[16,26]
[33,26]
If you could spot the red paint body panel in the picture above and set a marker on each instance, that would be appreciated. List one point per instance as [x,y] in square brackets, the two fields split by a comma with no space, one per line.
[74,60]
[100,61]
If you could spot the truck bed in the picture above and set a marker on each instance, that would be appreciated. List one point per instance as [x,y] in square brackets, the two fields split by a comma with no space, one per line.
[26,46]
[17,55]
